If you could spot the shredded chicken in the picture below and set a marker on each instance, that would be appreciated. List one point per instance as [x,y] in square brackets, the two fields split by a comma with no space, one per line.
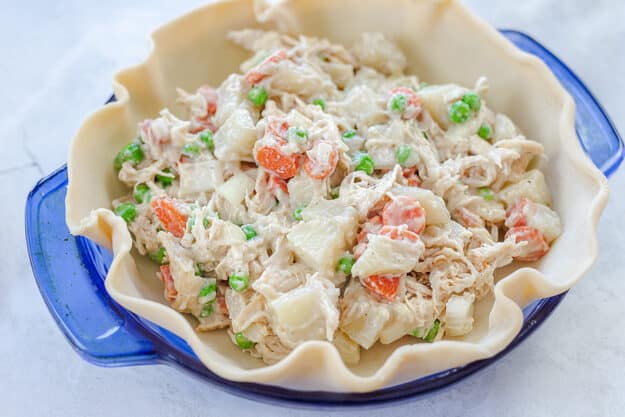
[322,194]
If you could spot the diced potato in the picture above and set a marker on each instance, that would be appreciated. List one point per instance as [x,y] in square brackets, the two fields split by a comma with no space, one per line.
[348,349]
[235,139]
[435,209]
[318,243]
[504,128]
[366,329]
[301,189]
[197,177]
[459,315]
[306,313]
[532,185]
[236,188]
[387,256]
[345,217]
[361,102]
[400,324]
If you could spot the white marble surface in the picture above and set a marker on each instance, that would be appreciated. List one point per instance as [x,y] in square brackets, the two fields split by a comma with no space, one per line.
[57,62]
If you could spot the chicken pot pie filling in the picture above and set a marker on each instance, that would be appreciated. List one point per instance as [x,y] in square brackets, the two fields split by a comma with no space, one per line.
[322,194]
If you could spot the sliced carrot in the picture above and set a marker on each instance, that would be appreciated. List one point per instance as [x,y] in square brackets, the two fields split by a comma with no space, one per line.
[170,217]
[261,71]
[278,130]
[536,247]
[321,162]
[383,286]
[404,210]
[398,233]
[516,215]
[273,160]
[168,283]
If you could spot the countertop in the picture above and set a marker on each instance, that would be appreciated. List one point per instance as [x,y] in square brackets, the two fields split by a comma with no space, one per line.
[58,60]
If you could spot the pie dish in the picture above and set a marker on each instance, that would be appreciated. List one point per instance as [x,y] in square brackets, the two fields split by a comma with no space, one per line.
[436,36]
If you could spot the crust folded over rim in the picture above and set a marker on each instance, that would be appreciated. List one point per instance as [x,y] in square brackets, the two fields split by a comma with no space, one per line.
[443,43]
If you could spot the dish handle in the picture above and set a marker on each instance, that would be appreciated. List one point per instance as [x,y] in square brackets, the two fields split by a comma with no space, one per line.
[101,331]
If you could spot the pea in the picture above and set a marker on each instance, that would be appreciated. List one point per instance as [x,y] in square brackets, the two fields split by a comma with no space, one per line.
[191,149]
[126,211]
[403,153]
[208,292]
[345,264]
[486,193]
[296,134]
[207,310]
[349,134]
[207,139]
[431,334]
[320,102]
[473,100]
[131,152]
[297,213]
[242,341]
[257,95]
[397,103]
[158,256]
[249,231]
[239,282]
[206,222]
[142,193]
[459,112]
[484,131]
[166,178]
[364,163]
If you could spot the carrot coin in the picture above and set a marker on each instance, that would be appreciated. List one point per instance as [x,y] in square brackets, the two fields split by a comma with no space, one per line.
[168,283]
[273,160]
[170,217]
[383,286]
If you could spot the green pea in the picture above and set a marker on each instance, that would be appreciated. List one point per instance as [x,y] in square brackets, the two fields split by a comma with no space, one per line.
[249,231]
[191,149]
[207,310]
[345,264]
[296,134]
[297,213]
[459,112]
[206,222]
[403,153]
[473,100]
[397,103]
[348,134]
[131,152]
[484,131]
[158,256]
[364,163]
[334,193]
[207,139]
[320,102]
[242,341]
[257,95]
[431,334]
[126,211]
[486,193]
[142,193]
[208,292]
[239,282]
[166,178]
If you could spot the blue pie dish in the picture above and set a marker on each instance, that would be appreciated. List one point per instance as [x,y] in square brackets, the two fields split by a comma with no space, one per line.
[70,273]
